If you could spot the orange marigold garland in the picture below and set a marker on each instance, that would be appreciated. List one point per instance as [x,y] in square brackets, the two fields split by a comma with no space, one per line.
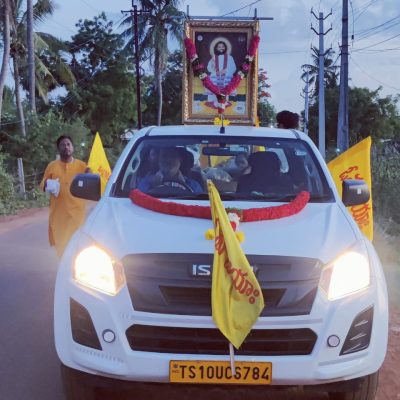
[247,215]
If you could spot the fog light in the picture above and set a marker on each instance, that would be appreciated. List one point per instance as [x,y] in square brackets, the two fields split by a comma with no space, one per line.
[108,336]
[333,341]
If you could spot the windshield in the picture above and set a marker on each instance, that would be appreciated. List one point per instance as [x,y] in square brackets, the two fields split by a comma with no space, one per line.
[241,168]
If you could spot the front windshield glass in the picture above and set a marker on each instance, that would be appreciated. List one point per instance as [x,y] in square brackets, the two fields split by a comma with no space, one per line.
[241,168]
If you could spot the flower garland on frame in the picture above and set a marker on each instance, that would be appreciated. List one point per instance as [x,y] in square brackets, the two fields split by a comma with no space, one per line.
[199,70]
[248,215]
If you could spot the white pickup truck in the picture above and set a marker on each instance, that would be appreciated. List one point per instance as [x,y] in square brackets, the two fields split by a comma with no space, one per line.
[133,289]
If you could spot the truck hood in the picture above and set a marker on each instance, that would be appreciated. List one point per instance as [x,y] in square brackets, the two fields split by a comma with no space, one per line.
[320,230]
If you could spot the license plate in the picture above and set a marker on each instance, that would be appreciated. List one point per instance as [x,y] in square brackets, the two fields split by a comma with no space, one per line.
[247,373]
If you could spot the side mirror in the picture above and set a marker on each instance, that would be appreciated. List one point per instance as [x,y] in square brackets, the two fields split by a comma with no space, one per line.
[354,192]
[86,186]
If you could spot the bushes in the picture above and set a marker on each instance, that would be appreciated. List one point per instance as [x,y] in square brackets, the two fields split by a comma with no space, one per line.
[39,148]
[7,197]
[386,188]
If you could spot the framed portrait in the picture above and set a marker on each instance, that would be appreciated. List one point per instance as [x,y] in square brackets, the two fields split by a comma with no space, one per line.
[221,47]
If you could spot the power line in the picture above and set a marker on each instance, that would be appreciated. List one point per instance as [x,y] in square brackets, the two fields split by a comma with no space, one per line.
[379,50]
[89,5]
[284,52]
[240,9]
[372,77]
[377,30]
[377,26]
[363,9]
[375,44]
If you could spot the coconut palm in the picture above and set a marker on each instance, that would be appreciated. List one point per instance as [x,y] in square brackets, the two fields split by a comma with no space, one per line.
[330,70]
[159,19]
[49,66]
[5,8]
[31,54]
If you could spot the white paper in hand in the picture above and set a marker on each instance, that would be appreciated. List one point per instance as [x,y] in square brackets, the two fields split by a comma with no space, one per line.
[53,186]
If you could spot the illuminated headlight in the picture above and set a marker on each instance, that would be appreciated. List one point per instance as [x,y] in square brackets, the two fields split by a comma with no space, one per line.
[94,268]
[347,274]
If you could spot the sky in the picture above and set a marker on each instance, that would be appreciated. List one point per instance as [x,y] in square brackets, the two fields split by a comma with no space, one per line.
[286,40]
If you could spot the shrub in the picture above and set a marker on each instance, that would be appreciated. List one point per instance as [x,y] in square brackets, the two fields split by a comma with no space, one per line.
[7,198]
[386,188]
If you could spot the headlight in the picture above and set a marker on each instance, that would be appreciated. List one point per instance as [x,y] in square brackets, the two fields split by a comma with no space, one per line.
[347,274]
[93,267]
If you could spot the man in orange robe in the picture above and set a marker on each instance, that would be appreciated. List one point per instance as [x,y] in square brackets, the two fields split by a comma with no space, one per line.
[67,212]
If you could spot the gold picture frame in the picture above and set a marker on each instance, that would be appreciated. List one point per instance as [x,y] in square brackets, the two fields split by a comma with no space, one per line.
[199,104]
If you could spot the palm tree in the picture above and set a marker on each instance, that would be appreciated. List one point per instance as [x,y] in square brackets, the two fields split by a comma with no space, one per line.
[160,19]
[45,78]
[31,54]
[330,70]
[5,8]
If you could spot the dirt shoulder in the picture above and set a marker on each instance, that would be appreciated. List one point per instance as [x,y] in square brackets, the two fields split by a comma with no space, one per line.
[22,218]
[389,377]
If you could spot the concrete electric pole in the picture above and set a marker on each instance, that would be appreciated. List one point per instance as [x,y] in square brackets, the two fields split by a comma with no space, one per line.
[306,95]
[343,115]
[321,81]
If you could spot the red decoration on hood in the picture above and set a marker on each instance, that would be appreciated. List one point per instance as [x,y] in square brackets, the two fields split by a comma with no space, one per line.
[247,215]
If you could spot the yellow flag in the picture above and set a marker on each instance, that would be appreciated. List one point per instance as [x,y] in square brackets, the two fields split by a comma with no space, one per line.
[236,296]
[98,162]
[355,163]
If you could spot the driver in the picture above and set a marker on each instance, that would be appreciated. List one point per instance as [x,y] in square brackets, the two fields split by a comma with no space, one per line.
[169,174]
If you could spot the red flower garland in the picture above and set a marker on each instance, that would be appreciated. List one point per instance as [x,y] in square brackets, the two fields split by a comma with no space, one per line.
[221,93]
[250,215]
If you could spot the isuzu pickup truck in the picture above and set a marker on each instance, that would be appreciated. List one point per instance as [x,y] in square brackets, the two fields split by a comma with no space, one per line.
[133,289]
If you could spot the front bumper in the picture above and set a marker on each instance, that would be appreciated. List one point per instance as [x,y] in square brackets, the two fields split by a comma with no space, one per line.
[117,359]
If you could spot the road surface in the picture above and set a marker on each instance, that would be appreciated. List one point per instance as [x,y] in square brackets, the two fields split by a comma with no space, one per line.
[29,367]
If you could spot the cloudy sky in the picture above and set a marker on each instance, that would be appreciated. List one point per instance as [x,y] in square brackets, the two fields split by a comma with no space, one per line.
[286,41]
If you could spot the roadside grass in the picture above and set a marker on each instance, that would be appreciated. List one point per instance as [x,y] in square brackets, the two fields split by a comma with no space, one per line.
[34,198]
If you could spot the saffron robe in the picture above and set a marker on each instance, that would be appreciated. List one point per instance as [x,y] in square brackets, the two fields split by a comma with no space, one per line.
[67,212]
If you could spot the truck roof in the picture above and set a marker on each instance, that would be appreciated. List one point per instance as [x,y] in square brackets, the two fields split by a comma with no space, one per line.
[201,130]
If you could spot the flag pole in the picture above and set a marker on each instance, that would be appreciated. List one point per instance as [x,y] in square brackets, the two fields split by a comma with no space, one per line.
[232,357]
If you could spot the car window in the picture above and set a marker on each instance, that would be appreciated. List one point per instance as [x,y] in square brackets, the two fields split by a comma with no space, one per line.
[241,168]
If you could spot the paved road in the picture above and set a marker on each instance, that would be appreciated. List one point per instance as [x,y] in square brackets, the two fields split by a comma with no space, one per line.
[29,367]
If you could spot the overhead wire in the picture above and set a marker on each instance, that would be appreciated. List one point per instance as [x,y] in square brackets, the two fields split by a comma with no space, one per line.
[240,9]
[371,76]
[375,44]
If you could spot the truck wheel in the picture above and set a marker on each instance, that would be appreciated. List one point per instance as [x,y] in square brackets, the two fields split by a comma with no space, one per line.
[75,385]
[366,391]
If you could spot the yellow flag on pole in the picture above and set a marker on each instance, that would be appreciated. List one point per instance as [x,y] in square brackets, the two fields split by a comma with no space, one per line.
[355,163]
[236,296]
[98,162]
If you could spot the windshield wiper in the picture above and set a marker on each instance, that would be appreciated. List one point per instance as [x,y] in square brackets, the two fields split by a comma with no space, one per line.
[320,198]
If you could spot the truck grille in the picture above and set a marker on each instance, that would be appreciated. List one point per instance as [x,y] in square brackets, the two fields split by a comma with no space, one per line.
[164,283]
[263,342]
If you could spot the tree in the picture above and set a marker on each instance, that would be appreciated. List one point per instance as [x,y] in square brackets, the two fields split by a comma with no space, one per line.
[31,54]
[105,94]
[160,19]
[330,70]
[371,115]
[265,111]
[172,83]
[5,8]
[47,75]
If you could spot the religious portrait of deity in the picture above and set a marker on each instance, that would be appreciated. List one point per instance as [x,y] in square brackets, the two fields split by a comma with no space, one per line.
[221,47]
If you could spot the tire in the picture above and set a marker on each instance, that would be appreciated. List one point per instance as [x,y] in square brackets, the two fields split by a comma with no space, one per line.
[366,390]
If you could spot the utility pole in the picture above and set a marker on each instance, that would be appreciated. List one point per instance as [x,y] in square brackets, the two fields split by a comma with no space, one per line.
[306,95]
[134,14]
[343,115]
[321,80]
